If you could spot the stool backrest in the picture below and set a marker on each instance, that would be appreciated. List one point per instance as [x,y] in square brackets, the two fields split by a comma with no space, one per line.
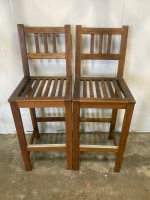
[22,30]
[100,56]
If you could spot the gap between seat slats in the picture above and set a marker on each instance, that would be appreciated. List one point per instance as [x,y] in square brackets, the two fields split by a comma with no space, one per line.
[42,86]
[109,89]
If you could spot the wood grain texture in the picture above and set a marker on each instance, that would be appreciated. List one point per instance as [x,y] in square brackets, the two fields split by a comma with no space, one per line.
[100,43]
[28,29]
[68,50]
[23,49]
[100,56]
[46,147]
[45,42]
[34,122]
[46,55]
[92,44]
[36,43]
[113,123]
[109,44]
[124,135]
[76,116]
[104,120]
[84,88]
[122,51]
[21,135]
[51,119]
[16,92]
[78,51]
[54,42]
[68,109]
[98,148]
[114,31]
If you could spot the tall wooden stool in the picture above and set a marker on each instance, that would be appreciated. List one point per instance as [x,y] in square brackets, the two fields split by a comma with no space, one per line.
[33,92]
[119,96]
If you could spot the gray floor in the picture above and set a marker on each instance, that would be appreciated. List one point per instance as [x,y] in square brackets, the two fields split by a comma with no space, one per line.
[49,178]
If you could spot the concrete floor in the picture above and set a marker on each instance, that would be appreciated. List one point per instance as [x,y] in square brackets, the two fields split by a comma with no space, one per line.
[49,178]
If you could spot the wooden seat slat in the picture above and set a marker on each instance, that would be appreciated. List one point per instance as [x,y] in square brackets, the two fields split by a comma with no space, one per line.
[41,88]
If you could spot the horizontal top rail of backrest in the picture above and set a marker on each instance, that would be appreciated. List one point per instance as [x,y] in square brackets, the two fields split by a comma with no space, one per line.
[22,30]
[113,31]
[123,32]
[44,29]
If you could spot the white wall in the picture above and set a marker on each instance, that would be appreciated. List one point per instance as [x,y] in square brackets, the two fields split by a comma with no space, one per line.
[89,13]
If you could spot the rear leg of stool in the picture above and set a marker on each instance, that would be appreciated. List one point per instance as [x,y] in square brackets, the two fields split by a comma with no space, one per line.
[34,122]
[113,123]
[76,135]
[123,137]
[68,108]
[21,135]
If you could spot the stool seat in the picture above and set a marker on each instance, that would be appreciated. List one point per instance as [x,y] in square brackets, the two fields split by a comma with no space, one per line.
[36,89]
[101,92]
[107,90]
[43,91]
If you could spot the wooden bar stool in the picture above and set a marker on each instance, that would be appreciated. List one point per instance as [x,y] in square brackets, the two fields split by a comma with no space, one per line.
[119,96]
[33,92]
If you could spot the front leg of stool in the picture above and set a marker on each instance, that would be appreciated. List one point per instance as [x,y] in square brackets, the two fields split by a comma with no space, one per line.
[21,135]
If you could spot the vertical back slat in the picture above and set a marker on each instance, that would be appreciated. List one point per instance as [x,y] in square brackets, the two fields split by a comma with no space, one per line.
[54,87]
[92,43]
[100,43]
[104,89]
[122,51]
[45,42]
[84,88]
[36,42]
[68,50]
[91,88]
[23,49]
[109,44]
[61,87]
[54,42]
[47,88]
[78,51]
[97,89]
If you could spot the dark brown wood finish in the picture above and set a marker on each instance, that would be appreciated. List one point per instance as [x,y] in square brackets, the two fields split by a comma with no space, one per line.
[100,43]
[21,135]
[76,117]
[92,44]
[34,122]
[78,52]
[122,51]
[111,93]
[36,42]
[68,49]
[54,42]
[23,49]
[45,42]
[34,92]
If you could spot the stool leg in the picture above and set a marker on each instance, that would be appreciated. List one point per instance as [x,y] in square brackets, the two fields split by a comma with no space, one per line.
[76,136]
[69,133]
[21,135]
[123,137]
[113,122]
[34,122]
